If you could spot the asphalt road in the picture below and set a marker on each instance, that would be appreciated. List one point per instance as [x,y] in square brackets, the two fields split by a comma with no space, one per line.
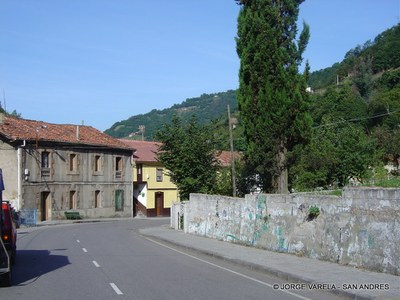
[111,260]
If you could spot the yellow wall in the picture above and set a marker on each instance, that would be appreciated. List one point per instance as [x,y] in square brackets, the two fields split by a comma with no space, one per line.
[166,186]
[170,196]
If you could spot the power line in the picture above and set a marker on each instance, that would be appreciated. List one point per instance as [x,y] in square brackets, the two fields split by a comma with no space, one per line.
[358,119]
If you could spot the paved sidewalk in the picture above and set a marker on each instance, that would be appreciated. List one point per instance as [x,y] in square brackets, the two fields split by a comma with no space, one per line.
[342,280]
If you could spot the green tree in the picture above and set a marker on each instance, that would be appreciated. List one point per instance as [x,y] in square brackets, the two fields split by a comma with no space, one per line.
[363,76]
[223,185]
[187,151]
[389,144]
[388,81]
[271,97]
[14,113]
[337,152]
[386,49]
[384,109]
[356,153]
[324,77]
[339,103]
[314,164]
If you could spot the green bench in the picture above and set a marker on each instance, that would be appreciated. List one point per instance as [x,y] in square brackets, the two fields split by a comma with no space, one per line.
[72,215]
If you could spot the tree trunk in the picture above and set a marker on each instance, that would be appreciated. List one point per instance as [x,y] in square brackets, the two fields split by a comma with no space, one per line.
[281,179]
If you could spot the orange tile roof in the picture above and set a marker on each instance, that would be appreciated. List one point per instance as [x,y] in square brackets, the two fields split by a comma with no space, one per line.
[15,129]
[225,157]
[145,151]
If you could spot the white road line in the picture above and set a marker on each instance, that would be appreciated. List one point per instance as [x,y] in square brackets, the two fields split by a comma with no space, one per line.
[78,241]
[116,289]
[84,250]
[226,269]
[96,264]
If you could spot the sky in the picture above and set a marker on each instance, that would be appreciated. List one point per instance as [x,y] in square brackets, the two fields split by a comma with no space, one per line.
[98,62]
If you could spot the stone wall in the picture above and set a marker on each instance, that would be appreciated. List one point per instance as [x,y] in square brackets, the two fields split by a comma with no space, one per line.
[361,228]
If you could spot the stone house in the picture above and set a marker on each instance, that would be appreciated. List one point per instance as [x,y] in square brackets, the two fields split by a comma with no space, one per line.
[153,191]
[55,168]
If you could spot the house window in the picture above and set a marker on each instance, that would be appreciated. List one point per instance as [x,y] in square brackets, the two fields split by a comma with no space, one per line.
[45,163]
[45,160]
[97,163]
[97,199]
[159,175]
[119,200]
[73,162]
[118,167]
[72,200]
[139,172]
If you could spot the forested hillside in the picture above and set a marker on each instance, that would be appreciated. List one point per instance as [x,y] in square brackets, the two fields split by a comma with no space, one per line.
[206,108]
[356,113]
[360,63]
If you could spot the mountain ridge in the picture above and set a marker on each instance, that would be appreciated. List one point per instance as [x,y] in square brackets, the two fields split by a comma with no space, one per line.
[206,108]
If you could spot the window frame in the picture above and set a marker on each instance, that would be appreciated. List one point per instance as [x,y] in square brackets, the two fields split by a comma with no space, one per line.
[139,172]
[45,160]
[159,174]
[118,166]
[73,163]
[98,164]
[45,163]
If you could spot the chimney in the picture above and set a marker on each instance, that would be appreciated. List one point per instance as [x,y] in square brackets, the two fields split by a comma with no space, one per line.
[77,133]
[2,118]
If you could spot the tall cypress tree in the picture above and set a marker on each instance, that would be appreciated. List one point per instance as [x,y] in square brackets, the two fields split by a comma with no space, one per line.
[272,94]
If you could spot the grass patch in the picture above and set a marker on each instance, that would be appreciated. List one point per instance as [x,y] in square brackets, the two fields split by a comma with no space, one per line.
[387,183]
[337,192]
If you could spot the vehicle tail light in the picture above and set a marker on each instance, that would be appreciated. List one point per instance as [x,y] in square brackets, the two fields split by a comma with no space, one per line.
[6,237]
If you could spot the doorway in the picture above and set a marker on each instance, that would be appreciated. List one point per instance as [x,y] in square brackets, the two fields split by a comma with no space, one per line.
[159,203]
[45,206]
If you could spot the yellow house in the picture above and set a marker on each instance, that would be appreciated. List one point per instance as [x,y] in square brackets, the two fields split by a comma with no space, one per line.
[153,191]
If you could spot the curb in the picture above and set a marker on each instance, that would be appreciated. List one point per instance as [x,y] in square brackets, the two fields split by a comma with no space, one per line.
[253,266]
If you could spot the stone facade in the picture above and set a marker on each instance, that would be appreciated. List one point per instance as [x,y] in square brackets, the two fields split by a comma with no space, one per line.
[94,194]
[53,168]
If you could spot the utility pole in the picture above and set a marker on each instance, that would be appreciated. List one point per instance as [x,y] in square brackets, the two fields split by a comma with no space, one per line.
[232,154]
[141,130]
